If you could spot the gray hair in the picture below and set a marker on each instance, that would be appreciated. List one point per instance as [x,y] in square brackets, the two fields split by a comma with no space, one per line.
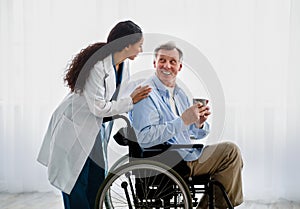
[168,46]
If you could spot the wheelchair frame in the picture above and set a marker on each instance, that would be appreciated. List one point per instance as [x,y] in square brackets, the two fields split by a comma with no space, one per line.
[147,184]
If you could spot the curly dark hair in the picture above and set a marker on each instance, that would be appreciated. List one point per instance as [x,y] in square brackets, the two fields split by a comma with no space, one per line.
[122,35]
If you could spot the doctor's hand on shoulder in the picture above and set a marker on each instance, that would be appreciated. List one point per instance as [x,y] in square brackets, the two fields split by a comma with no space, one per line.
[140,93]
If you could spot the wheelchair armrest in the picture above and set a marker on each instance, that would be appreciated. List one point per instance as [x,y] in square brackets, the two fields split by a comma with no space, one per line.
[182,146]
[164,147]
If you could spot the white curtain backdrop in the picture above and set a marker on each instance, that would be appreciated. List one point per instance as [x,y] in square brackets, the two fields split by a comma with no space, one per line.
[253,45]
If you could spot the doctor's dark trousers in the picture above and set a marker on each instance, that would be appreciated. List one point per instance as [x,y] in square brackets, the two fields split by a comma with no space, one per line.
[84,192]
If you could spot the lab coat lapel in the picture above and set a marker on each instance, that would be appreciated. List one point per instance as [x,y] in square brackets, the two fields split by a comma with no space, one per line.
[109,78]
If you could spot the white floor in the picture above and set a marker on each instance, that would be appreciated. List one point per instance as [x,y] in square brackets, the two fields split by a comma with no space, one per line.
[53,201]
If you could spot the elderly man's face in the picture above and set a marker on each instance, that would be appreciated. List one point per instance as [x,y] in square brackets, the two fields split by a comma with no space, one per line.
[167,64]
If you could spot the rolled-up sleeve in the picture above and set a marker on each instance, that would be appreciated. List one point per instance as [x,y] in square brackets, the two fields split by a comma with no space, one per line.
[199,133]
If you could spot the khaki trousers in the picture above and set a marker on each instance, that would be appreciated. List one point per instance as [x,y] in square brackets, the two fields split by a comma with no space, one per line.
[223,161]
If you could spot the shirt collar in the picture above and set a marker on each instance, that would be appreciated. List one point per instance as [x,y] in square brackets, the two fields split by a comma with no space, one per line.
[162,89]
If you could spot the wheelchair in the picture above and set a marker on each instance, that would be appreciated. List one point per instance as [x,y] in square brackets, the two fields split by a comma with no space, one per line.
[153,178]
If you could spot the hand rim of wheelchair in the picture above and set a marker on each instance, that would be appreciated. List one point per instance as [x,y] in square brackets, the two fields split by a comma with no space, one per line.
[104,193]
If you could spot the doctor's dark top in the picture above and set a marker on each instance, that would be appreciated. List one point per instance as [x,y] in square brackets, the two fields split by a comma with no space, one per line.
[155,123]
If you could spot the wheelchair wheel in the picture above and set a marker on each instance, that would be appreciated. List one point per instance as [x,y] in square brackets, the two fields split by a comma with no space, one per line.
[122,161]
[143,184]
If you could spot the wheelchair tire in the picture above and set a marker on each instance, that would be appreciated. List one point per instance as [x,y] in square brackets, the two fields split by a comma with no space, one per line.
[143,184]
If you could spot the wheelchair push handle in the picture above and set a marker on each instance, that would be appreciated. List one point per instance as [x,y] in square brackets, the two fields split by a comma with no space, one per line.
[110,118]
[125,135]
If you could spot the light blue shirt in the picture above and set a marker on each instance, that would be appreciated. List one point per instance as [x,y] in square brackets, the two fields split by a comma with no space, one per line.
[155,123]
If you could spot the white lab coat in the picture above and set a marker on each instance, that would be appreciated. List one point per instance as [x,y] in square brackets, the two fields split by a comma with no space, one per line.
[76,122]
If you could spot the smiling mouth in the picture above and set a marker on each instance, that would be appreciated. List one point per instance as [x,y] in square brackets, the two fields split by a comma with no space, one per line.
[166,72]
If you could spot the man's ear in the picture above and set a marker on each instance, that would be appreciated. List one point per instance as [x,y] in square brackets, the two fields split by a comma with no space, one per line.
[154,63]
[180,67]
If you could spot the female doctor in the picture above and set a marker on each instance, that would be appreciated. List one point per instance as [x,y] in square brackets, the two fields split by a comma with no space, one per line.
[75,142]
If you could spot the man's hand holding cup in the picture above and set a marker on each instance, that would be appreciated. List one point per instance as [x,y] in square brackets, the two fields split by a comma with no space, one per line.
[203,111]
